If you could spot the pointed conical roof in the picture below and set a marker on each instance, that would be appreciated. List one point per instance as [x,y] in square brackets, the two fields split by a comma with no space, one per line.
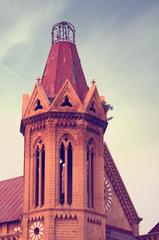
[63,63]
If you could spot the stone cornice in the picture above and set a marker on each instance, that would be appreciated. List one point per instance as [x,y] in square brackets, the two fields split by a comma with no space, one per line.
[62,115]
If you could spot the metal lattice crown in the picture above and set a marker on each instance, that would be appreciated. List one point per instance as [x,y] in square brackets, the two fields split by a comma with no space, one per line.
[63,32]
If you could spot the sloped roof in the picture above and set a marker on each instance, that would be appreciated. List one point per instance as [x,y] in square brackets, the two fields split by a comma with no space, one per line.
[152,234]
[119,188]
[155,229]
[149,236]
[11,199]
[63,63]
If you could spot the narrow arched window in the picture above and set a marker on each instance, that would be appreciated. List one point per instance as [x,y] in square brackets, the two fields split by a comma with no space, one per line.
[90,174]
[65,162]
[42,175]
[62,173]
[69,174]
[39,175]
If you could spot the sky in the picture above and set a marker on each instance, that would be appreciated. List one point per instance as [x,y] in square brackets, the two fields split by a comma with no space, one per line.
[117,41]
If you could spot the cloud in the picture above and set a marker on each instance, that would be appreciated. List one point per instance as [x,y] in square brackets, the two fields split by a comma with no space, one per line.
[22,29]
[25,25]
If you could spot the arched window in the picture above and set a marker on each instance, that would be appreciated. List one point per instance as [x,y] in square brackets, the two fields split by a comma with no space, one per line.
[69,174]
[90,174]
[39,175]
[65,162]
[42,174]
[62,173]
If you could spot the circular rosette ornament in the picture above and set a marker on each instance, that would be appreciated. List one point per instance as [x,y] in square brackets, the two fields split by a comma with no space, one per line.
[36,230]
[107,194]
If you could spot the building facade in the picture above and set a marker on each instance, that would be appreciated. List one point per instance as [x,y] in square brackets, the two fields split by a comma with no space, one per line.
[71,188]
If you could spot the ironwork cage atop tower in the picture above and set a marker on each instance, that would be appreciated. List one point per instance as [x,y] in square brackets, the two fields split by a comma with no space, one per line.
[63,32]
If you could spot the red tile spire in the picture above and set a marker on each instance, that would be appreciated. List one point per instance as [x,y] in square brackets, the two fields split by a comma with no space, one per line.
[63,62]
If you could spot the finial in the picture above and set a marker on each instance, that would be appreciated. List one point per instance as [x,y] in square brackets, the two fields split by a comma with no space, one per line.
[63,32]
[93,82]
[38,79]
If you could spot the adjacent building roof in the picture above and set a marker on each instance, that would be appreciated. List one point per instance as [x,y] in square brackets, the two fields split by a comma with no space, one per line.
[11,200]
[155,229]
[152,234]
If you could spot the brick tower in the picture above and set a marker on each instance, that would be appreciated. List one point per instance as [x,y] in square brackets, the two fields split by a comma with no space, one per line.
[63,124]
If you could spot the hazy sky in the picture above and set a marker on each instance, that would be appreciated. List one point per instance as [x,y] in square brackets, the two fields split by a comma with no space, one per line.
[117,42]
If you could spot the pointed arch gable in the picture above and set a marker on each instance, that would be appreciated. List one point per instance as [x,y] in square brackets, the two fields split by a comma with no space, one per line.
[38,94]
[74,102]
[124,201]
[72,138]
[92,141]
[92,103]
[36,141]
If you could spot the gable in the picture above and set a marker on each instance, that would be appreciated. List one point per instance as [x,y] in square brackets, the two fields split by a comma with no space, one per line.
[37,103]
[93,104]
[115,214]
[122,208]
[66,99]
